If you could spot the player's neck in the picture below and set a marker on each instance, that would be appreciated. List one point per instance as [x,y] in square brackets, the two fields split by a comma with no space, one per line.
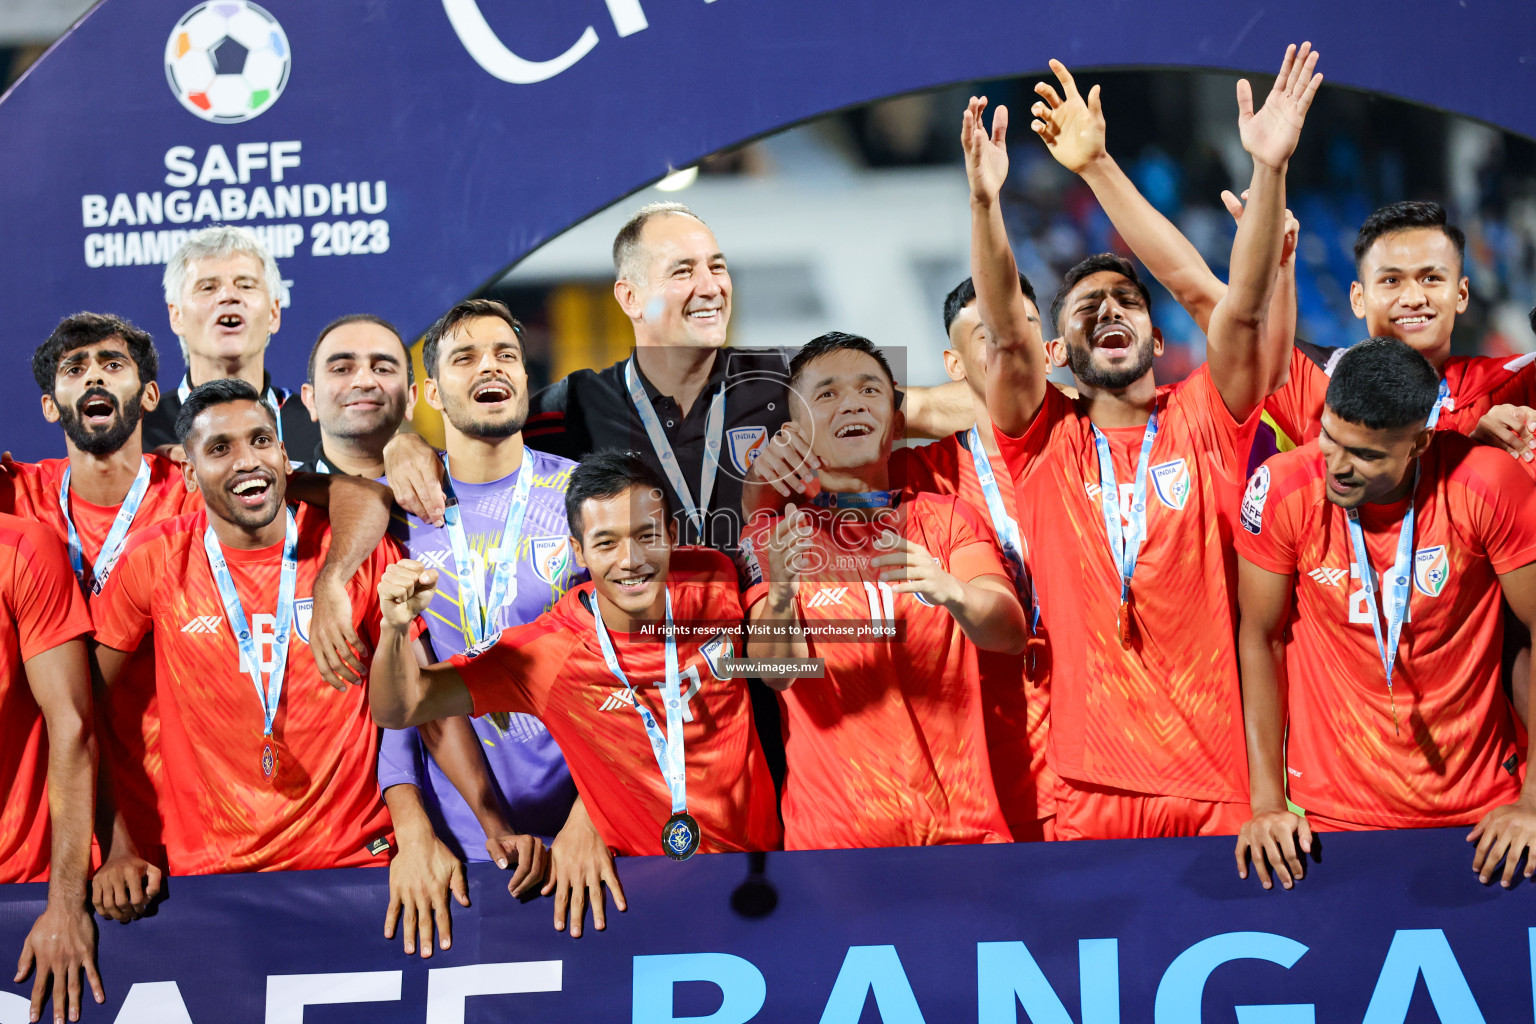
[984,428]
[354,456]
[481,460]
[1131,406]
[202,369]
[1438,355]
[104,479]
[1401,491]
[250,538]
[678,371]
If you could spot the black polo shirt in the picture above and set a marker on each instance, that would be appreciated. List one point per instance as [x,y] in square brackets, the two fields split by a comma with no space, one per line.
[591,409]
[300,433]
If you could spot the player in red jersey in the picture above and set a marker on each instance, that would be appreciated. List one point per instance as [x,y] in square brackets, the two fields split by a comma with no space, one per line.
[898,593]
[1015,688]
[600,680]
[1131,550]
[281,782]
[1389,713]
[47,758]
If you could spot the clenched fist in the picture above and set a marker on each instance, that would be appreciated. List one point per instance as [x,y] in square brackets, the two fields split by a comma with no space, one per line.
[405,591]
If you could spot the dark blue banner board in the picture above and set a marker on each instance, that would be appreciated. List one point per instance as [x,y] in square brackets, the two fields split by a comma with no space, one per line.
[1388,928]
[396,154]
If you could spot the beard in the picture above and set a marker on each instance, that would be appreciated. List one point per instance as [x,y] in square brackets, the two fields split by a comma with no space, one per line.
[463,416]
[1080,359]
[108,439]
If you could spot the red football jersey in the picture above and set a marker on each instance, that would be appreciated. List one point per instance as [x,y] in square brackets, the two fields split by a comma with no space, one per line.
[1017,702]
[553,668]
[33,491]
[889,749]
[40,608]
[1456,756]
[1165,717]
[323,810]
[1476,383]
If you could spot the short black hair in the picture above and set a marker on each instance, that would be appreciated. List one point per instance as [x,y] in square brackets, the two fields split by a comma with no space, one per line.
[216,392]
[1383,384]
[607,473]
[1092,265]
[360,318]
[836,341]
[91,329]
[469,309]
[964,294]
[1404,217]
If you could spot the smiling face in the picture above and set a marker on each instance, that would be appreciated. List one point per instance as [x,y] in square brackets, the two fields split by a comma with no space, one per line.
[98,397]
[237,462]
[361,388]
[846,405]
[1108,332]
[626,544]
[684,296]
[1411,288]
[1366,465]
[480,383]
[225,312]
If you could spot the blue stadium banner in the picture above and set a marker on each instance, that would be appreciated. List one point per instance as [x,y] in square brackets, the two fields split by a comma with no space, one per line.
[396,154]
[1388,928]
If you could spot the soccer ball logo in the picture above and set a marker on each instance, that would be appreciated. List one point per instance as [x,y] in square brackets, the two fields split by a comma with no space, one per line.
[227,60]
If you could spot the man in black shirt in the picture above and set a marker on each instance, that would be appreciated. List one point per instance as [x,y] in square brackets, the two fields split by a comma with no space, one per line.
[360,387]
[222,290]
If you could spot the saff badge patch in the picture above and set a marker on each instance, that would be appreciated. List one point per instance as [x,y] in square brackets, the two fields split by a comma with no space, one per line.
[1171,482]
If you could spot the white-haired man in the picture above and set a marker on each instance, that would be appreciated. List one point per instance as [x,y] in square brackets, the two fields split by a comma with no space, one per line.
[223,292]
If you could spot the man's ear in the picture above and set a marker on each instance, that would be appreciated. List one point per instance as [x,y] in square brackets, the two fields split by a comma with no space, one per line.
[174,312]
[276,319]
[576,551]
[433,396]
[1357,299]
[1421,443]
[307,396]
[898,424]
[187,476]
[50,409]
[952,365]
[1157,341]
[1463,294]
[1056,352]
[410,401]
[150,398]
[628,298]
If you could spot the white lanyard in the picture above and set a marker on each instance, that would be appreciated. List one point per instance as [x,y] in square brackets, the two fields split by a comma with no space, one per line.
[480,614]
[1395,608]
[714,431]
[95,578]
[1124,548]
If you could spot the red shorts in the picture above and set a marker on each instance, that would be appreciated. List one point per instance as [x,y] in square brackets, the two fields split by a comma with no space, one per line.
[1087,811]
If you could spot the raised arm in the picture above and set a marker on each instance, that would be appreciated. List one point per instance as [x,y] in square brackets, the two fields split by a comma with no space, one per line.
[1016,366]
[62,942]
[1272,835]
[401,692]
[1242,369]
[1072,128]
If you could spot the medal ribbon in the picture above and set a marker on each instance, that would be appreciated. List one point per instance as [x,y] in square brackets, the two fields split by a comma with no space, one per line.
[1125,549]
[1434,413]
[714,430]
[480,614]
[271,694]
[669,749]
[1395,607]
[112,547]
[270,398]
[1007,527]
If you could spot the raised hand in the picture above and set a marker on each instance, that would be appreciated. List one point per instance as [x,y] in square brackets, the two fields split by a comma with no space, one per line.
[986,156]
[911,569]
[1071,127]
[787,464]
[1510,427]
[405,591]
[1234,206]
[1270,135]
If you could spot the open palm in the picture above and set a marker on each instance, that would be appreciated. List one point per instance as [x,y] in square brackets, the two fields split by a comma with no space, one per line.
[1071,127]
[1270,135]
[986,156]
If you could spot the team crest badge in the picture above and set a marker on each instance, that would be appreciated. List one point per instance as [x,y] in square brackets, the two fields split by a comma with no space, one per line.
[551,558]
[714,652]
[475,650]
[1252,513]
[303,611]
[1171,481]
[744,443]
[1431,569]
